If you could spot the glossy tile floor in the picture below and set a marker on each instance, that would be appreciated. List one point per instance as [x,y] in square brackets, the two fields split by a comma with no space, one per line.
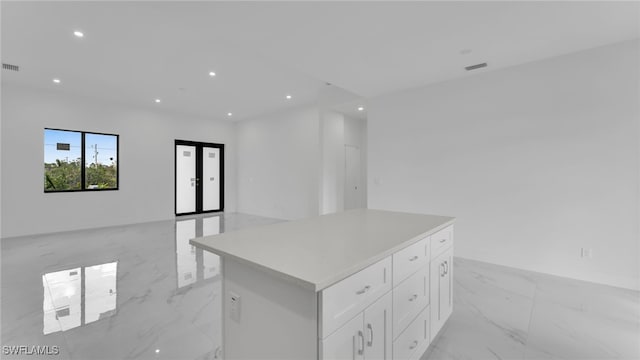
[506,313]
[142,292]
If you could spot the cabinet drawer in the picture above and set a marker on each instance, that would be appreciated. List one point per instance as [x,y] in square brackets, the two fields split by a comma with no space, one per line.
[408,260]
[409,298]
[345,299]
[441,241]
[414,341]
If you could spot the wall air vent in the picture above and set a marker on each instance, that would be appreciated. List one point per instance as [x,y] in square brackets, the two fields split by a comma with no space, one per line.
[10,67]
[476,66]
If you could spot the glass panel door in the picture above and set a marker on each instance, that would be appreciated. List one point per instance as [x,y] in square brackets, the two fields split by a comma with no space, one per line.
[185,179]
[210,179]
[199,177]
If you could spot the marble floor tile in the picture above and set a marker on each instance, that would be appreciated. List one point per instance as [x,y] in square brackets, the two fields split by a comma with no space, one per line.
[127,292]
[490,317]
[143,292]
[579,320]
[506,313]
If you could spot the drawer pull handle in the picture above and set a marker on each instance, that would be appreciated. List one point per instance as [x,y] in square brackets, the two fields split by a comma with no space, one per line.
[370,342]
[415,296]
[443,240]
[413,345]
[413,258]
[361,349]
[363,290]
[446,267]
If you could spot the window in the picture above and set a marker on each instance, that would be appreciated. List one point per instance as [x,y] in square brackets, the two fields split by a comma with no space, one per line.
[78,160]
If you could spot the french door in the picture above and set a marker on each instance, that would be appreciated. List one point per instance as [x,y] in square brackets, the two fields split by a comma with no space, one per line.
[199,173]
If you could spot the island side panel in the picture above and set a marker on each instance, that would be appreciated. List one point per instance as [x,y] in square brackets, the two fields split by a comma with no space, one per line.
[277,318]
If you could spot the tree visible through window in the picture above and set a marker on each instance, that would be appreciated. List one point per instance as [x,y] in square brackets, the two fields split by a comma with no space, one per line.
[77,160]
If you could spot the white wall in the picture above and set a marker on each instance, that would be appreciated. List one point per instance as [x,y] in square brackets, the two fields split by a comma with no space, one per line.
[535,161]
[146,161]
[279,164]
[355,134]
[337,131]
[332,183]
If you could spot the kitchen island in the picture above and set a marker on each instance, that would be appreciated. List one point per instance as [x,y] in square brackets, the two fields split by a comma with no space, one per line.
[363,284]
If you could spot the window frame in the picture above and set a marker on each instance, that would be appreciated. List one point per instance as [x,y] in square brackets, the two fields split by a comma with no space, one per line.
[83,187]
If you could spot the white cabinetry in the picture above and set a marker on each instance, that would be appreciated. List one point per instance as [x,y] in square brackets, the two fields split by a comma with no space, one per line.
[414,341]
[401,324]
[346,342]
[411,300]
[343,300]
[362,284]
[441,284]
[366,336]
[377,329]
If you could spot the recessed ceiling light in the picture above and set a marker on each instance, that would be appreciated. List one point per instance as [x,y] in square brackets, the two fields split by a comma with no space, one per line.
[465,51]
[157,100]
[229,114]
[360,108]
[57,81]
[212,74]
[288,97]
[78,33]
[157,351]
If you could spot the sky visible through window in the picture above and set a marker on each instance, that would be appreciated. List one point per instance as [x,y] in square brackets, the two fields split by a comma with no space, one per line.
[100,149]
[106,147]
[53,137]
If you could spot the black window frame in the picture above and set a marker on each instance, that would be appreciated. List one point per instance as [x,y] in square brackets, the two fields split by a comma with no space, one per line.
[83,162]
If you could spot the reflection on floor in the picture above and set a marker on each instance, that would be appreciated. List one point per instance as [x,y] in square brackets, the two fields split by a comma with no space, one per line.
[137,291]
[143,292]
[79,296]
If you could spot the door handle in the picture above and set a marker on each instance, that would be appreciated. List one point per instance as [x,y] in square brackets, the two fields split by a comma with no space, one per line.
[370,343]
[413,258]
[413,345]
[363,290]
[446,267]
[412,298]
[361,349]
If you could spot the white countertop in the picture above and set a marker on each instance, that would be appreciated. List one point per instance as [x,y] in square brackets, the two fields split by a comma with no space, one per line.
[320,251]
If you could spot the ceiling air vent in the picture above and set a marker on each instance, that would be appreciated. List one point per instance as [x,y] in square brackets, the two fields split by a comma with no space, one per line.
[476,66]
[10,67]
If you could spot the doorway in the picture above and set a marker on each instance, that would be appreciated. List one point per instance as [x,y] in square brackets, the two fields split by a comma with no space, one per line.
[199,177]
[352,170]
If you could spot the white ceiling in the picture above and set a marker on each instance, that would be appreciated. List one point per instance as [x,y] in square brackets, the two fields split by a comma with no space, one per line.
[135,52]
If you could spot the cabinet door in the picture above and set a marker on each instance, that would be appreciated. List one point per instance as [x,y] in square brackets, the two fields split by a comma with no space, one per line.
[377,329]
[348,342]
[441,288]
[446,286]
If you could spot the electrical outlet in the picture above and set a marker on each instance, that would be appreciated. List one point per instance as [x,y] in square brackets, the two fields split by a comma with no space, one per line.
[234,306]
